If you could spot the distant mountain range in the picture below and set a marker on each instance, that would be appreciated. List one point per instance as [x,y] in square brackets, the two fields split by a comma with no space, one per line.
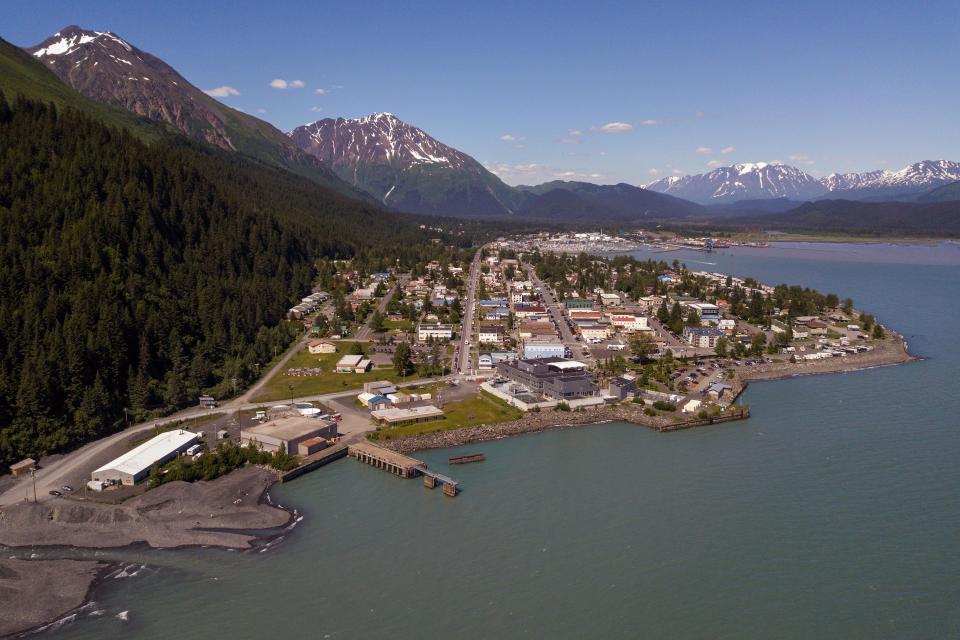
[382,159]
[104,67]
[768,181]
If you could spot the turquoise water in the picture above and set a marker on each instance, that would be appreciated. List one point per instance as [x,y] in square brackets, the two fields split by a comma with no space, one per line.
[832,513]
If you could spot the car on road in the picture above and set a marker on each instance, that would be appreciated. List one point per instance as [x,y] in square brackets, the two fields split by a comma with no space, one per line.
[55,493]
[67,488]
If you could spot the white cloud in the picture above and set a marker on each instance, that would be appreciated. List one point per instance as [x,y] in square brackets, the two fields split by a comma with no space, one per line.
[280,83]
[802,159]
[320,92]
[714,164]
[316,109]
[650,123]
[727,150]
[222,92]
[653,172]
[574,132]
[512,138]
[570,141]
[616,127]
[680,172]
[704,151]
[534,173]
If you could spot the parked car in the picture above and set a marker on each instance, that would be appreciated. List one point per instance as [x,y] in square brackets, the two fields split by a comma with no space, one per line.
[55,493]
[67,487]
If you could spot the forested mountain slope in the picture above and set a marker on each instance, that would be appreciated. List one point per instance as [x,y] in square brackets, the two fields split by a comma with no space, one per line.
[138,276]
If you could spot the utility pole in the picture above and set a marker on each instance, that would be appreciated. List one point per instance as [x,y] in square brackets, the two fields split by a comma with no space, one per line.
[33,476]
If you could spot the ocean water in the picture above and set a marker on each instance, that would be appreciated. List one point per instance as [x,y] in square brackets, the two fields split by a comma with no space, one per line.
[834,512]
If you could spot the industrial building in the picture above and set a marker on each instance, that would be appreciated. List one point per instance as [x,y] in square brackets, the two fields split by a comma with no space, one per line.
[395,416]
[537,349]
[135,464]
[288,433]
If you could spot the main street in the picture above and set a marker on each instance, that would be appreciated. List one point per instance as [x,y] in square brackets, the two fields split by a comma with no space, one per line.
[464,363]
[553,307]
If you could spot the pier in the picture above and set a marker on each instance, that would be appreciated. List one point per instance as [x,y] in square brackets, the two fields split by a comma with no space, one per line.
[401,465]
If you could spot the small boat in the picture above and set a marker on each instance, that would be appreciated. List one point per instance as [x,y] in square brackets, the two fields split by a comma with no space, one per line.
[472,457]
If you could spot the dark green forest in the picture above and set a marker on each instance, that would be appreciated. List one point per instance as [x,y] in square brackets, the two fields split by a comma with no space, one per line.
[139,276]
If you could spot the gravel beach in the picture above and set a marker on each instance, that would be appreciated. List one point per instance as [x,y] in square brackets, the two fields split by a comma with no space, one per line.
[34,593]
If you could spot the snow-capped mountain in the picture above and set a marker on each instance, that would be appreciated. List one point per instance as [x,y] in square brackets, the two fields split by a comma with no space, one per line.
[405,167]
[105,67]
[762,180]
[749,181]
[919,176]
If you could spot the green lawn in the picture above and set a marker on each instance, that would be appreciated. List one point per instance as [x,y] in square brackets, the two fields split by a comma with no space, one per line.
[401,325]
[482,409]
[283,387]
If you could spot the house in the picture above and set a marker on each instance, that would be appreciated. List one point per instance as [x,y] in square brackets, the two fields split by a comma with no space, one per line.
[702,337]
[817,327]
[321,346]
[490,334]
[727,324]
[436,331]
[649,303]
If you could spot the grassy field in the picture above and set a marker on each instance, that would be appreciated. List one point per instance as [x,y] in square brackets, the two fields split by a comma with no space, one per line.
[283,387]
[482,409]
[402,325]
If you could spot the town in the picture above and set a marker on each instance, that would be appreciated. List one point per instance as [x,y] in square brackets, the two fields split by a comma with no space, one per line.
[497,336]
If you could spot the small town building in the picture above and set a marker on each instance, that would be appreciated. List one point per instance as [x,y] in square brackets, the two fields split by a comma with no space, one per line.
[609,299]
[321,346]
[629,322]
[135,464]
[578,303]
[23,467]
[538,349]
[383,387]
[691,406]
[702,337]
[435,331]
[287,433]
[395,416]
[555,378]
[490,334]
[349,363]
[593,331]
[621,387]
[707,312]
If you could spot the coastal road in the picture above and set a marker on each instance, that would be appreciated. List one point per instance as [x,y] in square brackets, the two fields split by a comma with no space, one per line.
[465,357]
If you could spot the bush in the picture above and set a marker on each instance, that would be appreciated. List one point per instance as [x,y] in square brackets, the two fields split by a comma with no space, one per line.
[703,415]
[562,406]
[663,405]
[638,400]
[649,411]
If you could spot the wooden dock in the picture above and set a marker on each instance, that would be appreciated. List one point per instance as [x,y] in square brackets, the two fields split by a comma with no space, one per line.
[401,465]
[466,459]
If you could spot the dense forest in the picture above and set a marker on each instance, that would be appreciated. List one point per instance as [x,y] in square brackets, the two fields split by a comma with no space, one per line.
[138,276]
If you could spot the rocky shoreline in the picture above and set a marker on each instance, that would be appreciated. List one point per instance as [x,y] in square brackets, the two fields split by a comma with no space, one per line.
[891,351]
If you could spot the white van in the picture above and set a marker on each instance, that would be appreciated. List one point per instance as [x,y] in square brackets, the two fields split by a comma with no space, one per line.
[194,450]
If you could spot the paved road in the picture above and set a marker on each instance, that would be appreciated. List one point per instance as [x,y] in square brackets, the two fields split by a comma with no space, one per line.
[365,332]
[465,361]
[553,307]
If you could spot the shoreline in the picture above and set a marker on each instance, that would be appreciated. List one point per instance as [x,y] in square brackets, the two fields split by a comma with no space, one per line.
[892,351]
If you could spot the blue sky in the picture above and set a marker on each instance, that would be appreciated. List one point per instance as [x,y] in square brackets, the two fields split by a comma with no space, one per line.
[600,91]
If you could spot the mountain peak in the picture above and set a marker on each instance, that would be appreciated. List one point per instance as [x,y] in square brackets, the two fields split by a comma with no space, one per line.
[72,39]
[743,181]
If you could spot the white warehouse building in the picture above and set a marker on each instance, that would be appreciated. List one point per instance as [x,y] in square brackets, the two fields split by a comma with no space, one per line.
[135,464]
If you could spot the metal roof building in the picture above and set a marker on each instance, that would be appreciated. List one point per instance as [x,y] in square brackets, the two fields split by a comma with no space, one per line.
[135,464]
